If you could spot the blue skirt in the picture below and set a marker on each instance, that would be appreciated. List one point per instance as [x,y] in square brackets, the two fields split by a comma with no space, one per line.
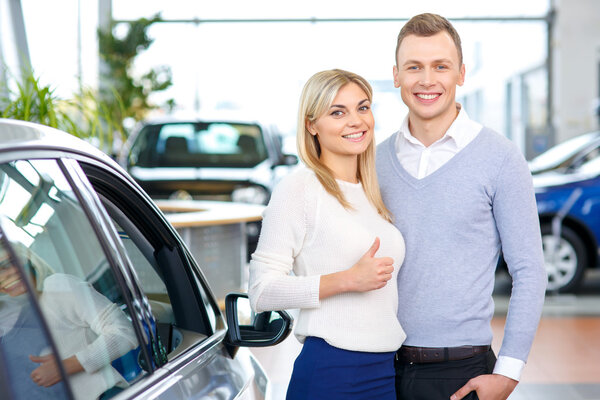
[322,371]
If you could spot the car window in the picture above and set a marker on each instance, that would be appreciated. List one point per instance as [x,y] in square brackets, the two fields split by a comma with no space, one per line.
[554,156]
[586,156]
[181,306]
[214,144]
[77,291]
[24,340]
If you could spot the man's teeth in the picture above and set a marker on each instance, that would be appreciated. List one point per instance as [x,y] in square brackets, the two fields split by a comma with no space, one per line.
[427,96]
[354,135]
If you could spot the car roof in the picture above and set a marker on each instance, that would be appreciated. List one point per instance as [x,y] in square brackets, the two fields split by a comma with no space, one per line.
[26,136]
[202,117]
[15,134]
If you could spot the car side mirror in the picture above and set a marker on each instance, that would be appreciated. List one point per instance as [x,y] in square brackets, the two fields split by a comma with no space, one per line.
[249,329]
[288,159]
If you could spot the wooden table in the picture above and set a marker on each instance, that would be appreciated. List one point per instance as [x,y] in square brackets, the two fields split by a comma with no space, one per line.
[215,233]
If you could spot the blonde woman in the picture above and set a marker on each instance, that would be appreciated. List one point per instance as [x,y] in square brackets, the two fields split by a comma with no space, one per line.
[327,247]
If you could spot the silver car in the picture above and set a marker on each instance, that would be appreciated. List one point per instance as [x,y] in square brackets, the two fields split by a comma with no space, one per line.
[99,296]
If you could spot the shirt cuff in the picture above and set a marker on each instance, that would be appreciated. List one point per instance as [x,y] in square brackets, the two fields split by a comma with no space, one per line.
[510,367]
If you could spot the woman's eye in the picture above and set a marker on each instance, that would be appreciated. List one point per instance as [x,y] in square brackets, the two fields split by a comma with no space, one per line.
[336,113]
[364,108]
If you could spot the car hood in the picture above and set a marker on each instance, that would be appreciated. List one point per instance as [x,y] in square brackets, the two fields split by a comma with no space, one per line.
[553,178]
[261,174]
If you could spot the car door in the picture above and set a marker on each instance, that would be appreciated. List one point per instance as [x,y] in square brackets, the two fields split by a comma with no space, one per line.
[189,322]
[71,321]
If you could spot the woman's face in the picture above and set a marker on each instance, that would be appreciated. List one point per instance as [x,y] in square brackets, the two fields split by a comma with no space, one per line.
[346,128]
[11,282]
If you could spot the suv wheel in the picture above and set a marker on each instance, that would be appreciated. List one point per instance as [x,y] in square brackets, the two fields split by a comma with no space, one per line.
[565,259]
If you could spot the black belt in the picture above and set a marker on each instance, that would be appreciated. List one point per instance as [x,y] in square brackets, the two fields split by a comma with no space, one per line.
[421,355]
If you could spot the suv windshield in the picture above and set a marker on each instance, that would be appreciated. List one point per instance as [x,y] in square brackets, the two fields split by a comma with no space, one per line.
[198,144]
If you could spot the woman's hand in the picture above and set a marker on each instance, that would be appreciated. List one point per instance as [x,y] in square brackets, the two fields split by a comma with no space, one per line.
[370,273]
[47,374]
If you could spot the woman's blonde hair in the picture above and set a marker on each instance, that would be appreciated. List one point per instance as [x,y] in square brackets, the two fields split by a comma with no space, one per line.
[317,96]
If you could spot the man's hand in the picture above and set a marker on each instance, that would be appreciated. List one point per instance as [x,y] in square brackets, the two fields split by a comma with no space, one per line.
[488,387]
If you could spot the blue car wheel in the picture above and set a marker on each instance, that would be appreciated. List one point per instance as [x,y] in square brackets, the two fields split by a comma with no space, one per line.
[565,259]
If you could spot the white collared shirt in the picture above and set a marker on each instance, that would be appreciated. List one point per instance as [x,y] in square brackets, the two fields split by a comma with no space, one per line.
[421,161]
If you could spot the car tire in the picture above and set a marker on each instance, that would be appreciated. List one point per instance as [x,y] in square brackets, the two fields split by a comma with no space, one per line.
[565,264]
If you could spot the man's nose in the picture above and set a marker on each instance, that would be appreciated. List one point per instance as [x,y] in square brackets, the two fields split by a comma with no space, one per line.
[426,77]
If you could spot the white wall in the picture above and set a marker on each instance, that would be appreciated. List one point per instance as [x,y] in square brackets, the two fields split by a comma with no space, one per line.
[576,61]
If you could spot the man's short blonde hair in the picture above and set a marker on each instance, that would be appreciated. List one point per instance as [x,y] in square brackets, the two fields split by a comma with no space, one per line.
[428,24]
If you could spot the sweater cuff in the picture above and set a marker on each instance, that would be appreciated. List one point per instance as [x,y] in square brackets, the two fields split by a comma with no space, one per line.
[510,367]
[314,287]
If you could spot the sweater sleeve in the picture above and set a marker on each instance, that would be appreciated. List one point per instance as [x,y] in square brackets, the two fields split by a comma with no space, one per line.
[86,308]
[517,221]
[272,285]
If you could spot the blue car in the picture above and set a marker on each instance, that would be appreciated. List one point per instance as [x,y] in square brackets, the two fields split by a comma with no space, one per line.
[568,204]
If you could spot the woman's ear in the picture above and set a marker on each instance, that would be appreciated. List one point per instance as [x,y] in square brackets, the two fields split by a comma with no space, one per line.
[310,127]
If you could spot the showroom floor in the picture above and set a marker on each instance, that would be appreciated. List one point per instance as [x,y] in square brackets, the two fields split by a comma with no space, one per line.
[564,363]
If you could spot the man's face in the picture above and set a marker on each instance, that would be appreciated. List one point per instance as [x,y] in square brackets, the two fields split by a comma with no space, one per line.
[427,73]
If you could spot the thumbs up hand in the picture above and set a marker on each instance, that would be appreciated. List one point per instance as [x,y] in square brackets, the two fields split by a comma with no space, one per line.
[370,272]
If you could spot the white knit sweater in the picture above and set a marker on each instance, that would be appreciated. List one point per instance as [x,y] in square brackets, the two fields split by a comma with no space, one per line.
[86,324]
[307,233]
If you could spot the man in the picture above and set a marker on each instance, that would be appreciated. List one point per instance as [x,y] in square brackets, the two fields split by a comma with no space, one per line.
[460,193]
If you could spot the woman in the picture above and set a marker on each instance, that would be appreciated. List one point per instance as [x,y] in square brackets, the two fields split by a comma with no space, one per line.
[89,331]
[323,224]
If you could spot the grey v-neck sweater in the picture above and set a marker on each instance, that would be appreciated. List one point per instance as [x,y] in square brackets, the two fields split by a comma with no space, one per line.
[455,223]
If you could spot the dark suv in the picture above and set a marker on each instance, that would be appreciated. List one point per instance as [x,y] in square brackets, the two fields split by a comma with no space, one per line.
[206,160]
[197,159]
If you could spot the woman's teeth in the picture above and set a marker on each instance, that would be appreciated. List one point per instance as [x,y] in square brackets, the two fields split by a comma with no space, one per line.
[354,135]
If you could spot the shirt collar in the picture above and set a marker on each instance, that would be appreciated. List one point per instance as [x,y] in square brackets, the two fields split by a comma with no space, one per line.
[462,130]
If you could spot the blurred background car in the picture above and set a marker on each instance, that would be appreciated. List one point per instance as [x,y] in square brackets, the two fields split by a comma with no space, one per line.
[568,202]
[82,215]
[208,159]
[569,154]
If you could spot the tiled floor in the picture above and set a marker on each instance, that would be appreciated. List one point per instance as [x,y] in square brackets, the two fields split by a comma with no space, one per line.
[564,363]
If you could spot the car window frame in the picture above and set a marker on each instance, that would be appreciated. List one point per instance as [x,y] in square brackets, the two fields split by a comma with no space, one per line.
[108,239]
[161,230]
[84,163]
[117,258]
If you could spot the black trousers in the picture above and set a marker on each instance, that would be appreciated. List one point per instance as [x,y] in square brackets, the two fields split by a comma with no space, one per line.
[439,381]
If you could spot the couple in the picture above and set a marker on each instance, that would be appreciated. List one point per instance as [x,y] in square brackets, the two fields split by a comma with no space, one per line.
[393,267]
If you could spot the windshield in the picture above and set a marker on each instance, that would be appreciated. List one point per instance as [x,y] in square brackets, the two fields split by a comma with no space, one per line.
[199,144]
[561,152]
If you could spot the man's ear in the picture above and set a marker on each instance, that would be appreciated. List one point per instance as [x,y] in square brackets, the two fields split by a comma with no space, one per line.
[396,77]
[461,78]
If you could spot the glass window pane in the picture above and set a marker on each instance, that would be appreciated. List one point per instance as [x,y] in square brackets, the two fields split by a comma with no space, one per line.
[77,291]
[194,145]
[24,345]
